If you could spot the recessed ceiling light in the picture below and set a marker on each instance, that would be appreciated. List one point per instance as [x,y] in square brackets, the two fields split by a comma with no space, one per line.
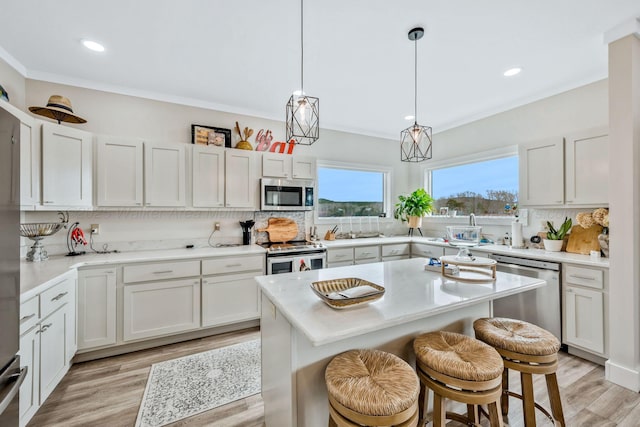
[512,72]
[409,117]
[94,46]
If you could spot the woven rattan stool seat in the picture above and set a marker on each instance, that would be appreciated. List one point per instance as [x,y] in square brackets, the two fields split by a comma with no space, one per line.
[517,336]
[458,356]
[372,382]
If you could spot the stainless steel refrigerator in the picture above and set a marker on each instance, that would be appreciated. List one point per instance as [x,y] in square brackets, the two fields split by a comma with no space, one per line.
[11,375]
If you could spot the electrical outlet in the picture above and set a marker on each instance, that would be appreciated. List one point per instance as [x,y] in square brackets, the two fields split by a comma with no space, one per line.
[216,226]
[95,228]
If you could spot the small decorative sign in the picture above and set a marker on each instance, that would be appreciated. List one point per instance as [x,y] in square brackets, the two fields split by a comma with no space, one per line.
[207,135]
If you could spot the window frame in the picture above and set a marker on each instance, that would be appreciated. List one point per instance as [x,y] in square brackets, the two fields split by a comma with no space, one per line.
[387,182]
[483,156]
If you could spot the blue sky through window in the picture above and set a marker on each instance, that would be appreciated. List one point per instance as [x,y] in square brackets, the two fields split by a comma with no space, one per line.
[342,185]
[498,174]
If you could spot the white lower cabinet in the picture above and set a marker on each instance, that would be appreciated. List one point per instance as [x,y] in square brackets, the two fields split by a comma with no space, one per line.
[366,254]
[338,257]
[96,308]
[396,252]
[30,388]
[161,308]
[53,360]
[47,347]
[229,290]
[229,299]
[585,308]
[426,251]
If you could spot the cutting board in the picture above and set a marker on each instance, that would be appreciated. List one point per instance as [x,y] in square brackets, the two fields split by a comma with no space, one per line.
[281,230]
[584,240]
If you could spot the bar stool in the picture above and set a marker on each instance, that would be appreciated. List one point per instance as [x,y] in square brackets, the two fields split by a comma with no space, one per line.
[459,368]
[528,349]
[371,388]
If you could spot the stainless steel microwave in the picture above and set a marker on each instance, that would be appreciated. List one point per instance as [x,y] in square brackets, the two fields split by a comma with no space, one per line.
[286,194]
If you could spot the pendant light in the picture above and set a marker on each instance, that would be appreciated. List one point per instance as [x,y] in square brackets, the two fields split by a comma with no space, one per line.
[303,112]
[415,141]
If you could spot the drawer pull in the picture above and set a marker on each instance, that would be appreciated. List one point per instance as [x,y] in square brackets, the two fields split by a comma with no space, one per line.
[340,256]
[109,272]
[60,295]
[581,277]
[366,253]
[163,272]
[394,251]
[233,265]
[45,327]
[25,318]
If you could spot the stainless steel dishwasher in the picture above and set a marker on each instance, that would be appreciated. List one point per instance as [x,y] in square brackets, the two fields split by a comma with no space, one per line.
[540,306]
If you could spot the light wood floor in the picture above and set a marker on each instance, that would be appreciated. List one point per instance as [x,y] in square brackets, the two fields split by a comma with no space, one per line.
[108,392]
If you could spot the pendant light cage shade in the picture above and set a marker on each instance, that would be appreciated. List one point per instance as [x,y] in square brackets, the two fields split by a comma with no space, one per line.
[303,119]
[415,143]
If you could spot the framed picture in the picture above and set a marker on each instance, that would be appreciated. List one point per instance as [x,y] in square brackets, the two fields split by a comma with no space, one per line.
[444,211]
[207,135]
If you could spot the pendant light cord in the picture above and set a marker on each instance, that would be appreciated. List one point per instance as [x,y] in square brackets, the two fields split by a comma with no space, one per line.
[301,47]
[415,85]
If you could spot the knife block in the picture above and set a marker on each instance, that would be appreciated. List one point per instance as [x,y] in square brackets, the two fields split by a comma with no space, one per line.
[330,236]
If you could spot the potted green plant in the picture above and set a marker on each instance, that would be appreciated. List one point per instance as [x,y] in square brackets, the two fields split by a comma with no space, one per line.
[413,207]
[555,238]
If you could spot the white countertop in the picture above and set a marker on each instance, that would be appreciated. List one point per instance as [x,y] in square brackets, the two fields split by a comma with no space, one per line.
[540,254]
[410,293]
[34,274]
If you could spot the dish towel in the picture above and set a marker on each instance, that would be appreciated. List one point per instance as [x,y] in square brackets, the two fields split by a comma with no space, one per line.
[302,263]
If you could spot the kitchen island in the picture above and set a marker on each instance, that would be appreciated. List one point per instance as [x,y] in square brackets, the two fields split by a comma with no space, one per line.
[300,333]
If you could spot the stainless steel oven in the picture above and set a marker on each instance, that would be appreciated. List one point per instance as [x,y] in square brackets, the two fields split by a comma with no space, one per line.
[540,306]
[286,195]
[295,256]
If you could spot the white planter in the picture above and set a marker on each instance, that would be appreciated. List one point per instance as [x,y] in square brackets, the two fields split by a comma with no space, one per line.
[415,221]
[552,245]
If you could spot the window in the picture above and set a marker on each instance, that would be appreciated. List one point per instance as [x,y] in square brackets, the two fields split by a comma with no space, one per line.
[487,187]
[350,190]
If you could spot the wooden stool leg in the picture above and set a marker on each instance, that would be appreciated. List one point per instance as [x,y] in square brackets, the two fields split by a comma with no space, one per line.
[495,418]
[504,400]
[439,413]
[424,395]
[554,398]
[528,400]
[473,413]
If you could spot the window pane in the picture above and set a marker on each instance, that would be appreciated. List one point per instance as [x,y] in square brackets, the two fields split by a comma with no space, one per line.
[483,188]
[348,192]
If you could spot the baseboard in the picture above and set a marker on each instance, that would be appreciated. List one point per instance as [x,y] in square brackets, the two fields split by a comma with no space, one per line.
[143,345]
[586,355]
[623,376]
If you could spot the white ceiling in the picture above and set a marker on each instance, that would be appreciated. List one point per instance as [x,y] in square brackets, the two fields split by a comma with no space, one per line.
[243,56]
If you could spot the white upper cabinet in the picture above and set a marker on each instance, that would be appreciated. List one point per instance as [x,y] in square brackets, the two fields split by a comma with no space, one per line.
[208,176]
[569,173]
[164,174]
[288,166]
[241,184]
[304,167]
[587,168]
[120,172]
[29,163]
[542,173]
[66,167]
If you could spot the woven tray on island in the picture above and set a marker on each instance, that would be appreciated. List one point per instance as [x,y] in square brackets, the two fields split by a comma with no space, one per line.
[347,292]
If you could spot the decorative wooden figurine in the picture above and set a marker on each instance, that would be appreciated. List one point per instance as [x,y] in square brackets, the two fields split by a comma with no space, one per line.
[244,143]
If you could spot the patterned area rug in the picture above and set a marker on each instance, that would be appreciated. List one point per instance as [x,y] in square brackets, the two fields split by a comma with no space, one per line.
[189,385]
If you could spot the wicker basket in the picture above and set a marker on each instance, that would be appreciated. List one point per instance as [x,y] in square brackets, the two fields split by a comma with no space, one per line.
[325,288]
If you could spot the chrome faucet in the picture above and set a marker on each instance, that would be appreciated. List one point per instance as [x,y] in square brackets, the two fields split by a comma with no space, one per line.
[472,219]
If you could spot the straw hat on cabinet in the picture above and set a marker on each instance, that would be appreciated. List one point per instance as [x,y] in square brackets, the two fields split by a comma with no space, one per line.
[58,108]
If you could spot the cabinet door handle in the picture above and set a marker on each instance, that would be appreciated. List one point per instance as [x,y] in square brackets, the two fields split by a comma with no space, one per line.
[163,272]
[60,295]
[109,272]
[48,201]
[581,277]
[45,327]
[570,290]
[24,318]
[558,201]
[233,265]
